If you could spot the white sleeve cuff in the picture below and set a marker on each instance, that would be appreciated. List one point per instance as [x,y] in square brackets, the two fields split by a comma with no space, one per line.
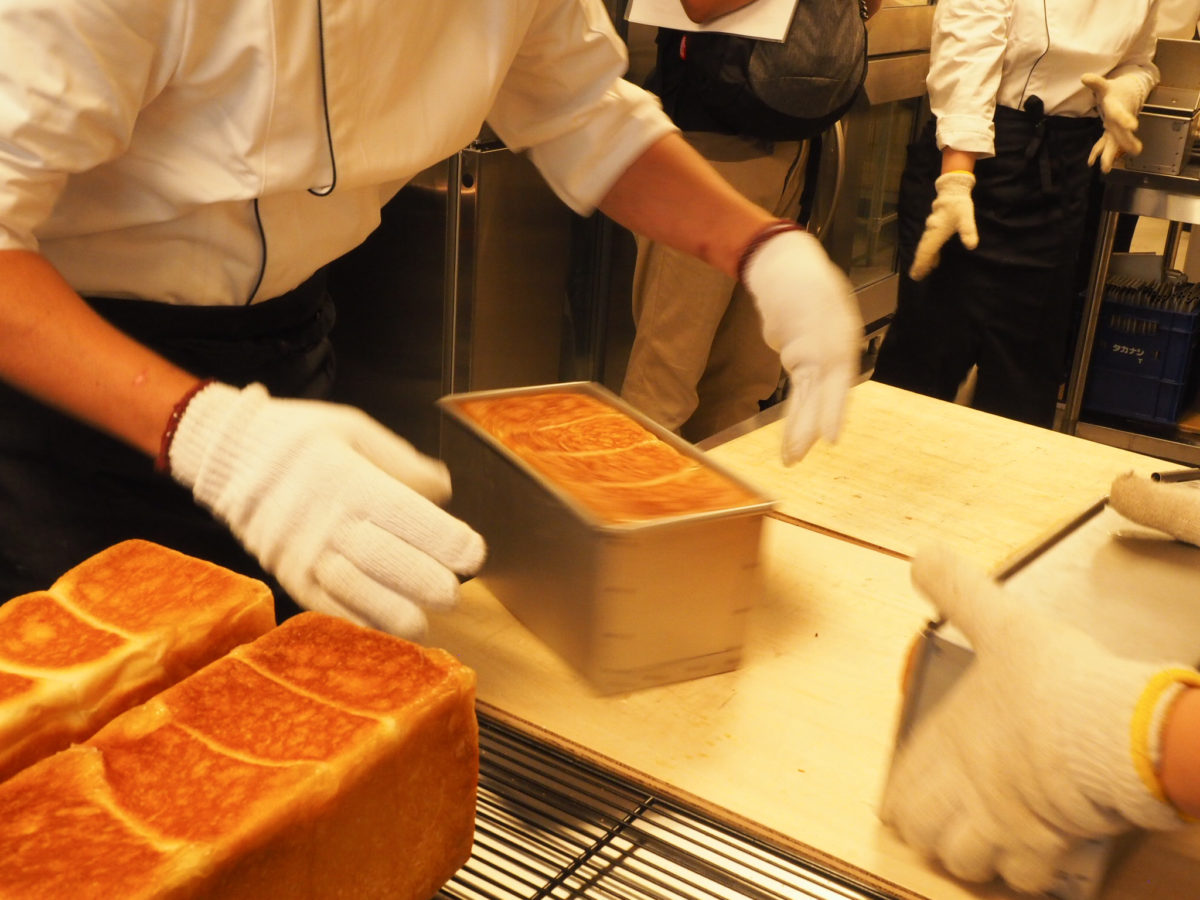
[971,134]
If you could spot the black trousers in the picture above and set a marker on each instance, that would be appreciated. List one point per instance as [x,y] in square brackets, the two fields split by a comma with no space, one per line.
[68,491]
[1008,305]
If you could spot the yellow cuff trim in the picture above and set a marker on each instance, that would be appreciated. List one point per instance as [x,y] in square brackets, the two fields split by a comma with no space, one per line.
[1143,718]
[959,172]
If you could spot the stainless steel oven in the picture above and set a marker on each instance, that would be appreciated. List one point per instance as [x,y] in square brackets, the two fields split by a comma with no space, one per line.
[470,282]
[854,211]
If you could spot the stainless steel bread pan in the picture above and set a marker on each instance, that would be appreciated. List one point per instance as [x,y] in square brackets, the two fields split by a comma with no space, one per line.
[628,605]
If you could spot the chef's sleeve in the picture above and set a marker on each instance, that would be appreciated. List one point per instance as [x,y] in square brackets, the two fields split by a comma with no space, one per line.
[1139,60]
[70,88]
[565,101]
[965,66]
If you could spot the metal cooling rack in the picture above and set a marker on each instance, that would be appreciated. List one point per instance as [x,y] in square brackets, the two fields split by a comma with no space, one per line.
[552,827]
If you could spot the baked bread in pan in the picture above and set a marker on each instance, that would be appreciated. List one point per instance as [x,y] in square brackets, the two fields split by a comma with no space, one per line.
[617,468]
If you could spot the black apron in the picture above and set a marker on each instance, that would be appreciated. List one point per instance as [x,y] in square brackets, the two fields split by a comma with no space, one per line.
[1007,305]
[68,491]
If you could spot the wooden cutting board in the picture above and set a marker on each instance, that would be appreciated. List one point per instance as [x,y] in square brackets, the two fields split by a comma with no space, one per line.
[907,469]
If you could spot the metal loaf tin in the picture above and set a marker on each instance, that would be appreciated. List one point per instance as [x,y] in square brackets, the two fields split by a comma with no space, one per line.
[629,605]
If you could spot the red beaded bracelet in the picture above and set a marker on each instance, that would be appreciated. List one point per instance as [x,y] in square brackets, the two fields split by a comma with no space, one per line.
[162,462]
[765,233]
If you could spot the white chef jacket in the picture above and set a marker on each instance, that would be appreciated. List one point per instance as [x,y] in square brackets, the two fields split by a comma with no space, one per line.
[1177,19]
[989,52]
[207,152]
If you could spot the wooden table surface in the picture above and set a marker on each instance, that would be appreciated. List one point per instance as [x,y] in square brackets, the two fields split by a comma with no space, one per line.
[794,745]
[907,469]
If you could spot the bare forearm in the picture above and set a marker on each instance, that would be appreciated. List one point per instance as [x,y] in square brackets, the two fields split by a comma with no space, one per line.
[672,195]
[957,160]
[1180,766]
[54,347]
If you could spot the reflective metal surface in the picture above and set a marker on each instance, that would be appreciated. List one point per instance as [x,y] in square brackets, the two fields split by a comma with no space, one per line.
[628,604]
[471,281]
[862,236]
[1169,122]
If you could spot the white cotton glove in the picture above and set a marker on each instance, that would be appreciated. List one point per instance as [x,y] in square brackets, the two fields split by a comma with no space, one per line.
[1173,508]
[953,213]
[342,511]
[1119,100]
[1045,740]
[811,319]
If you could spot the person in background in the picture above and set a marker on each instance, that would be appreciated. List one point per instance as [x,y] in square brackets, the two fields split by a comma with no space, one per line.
[1048,738]
[698,363]
[190,168]
[1026,95]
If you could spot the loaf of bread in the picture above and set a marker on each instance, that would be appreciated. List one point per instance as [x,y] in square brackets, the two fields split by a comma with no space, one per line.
[321,760]
[110,633]
[616,468]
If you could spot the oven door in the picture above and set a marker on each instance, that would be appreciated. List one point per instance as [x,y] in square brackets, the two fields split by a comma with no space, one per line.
[854,211]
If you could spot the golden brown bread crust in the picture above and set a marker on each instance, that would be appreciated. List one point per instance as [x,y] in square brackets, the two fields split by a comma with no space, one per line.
[323,760]
[110,633]
[62,790]
[138,586]
[614,466]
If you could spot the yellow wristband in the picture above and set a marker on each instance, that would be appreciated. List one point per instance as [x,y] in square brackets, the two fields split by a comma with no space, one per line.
[1144,721]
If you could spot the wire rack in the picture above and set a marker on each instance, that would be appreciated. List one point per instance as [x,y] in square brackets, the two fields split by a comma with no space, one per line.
[552,827]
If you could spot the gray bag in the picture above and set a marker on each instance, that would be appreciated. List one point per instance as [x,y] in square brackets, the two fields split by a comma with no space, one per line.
[790,90]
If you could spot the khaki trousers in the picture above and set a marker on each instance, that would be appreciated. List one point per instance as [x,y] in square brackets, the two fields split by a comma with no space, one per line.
[698,362]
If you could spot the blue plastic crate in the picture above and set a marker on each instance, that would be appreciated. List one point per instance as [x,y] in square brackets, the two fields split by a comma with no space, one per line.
[1151,343]
[1142,362]
[1135,397]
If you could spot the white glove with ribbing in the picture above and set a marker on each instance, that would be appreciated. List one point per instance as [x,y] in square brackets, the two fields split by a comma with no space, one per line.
[342,511]
[1119,100]
[953,213]
[1046,739]
[1173,508]
[811,319]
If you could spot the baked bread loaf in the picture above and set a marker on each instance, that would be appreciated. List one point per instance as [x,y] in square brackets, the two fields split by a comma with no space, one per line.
[596,453]
[322,760]
[110,633]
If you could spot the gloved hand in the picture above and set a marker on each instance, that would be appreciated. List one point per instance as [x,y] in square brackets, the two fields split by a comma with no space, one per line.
[342,511]
[1047,738]
[1173,508]
[811,319]
[1120,100]
[953,213]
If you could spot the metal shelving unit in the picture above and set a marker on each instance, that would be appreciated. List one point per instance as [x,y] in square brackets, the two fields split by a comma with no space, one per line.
[1175,198]
[1162,182]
